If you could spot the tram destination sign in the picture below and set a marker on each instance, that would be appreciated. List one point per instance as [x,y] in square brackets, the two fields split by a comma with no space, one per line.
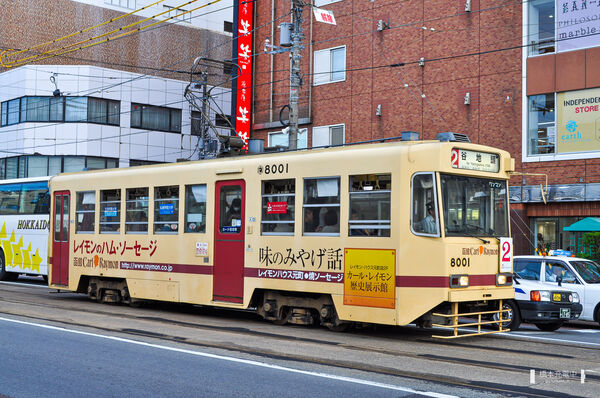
[474,160]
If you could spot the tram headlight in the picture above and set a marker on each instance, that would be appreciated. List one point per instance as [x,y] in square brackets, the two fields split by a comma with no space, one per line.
[504,279]
[459,280]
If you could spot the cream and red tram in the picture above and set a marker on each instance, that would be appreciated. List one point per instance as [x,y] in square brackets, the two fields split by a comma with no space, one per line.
[389,233]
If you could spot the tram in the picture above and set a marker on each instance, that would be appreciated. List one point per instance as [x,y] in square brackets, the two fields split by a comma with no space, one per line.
[24,227]
[386,233]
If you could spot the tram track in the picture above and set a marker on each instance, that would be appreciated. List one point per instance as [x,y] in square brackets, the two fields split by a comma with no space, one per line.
[158,323]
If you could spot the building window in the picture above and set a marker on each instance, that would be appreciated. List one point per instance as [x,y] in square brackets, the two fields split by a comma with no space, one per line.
[195,208]
[223,120]
[122,3]
[370,205]
[12,113]
[281,139]
[103,111]
[319,3]
[541,27]
[278,207]
[321,207]
[166,210]
[329,65]
[542,124]
[177,14]
[155,118]
[328,136]
[228,26]
[61,109]
[136,211]
[110,211]
[84,212]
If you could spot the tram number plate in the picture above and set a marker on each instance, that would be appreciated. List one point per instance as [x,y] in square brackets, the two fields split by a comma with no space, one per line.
[565,313]
[275,168]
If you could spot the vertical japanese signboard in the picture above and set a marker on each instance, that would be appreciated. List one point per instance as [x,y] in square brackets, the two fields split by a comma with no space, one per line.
[243,82]
[370,277]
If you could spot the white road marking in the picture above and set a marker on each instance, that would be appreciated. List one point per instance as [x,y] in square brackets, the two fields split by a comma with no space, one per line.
[24,284]
[237,360]
[527,336]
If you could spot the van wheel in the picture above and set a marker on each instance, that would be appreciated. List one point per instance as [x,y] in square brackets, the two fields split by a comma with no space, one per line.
[549,327]
[512,316]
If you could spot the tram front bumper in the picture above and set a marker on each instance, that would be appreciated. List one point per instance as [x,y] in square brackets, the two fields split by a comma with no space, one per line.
[496,293]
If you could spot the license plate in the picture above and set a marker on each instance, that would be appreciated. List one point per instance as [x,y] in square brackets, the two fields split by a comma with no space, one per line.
[556,297]
[565,313]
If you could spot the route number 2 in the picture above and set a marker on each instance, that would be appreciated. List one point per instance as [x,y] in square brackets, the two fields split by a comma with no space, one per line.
[506,254]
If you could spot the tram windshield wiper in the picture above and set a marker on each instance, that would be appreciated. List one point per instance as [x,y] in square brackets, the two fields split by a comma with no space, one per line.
[475,236]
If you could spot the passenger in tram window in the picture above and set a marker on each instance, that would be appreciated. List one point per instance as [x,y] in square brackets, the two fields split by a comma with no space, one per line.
[331,220]
[234,214]
[311,223]
[357,231]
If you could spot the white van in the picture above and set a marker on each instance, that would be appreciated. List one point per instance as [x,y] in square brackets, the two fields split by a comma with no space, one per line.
[577,274]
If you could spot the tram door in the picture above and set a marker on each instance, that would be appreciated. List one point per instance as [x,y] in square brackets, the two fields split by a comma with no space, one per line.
[60,239]
[228,269]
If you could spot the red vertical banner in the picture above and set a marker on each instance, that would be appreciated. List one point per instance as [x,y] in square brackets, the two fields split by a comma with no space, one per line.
[244,80]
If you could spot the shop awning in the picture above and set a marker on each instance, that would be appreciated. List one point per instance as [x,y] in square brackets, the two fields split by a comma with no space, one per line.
[588,224]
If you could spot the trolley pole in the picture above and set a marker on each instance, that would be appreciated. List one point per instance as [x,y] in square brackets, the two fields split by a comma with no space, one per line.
[295,79]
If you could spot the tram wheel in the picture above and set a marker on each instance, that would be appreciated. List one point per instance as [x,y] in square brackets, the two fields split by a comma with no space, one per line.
[282,316]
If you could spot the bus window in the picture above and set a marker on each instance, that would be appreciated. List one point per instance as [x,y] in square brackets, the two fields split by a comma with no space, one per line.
[85,210]
[195,208]
[110,211]
[166,210]
[321,206]
[136,210]
[9,198]
[370,205]
[35,198]
[424,215]
[278,200]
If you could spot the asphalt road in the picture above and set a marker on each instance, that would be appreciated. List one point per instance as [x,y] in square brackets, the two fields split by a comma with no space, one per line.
[66,345]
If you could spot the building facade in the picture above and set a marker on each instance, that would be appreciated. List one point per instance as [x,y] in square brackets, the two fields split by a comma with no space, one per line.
[115,104]
[507,74]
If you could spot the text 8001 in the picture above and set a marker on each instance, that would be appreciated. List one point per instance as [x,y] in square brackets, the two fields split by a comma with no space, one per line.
[275,168]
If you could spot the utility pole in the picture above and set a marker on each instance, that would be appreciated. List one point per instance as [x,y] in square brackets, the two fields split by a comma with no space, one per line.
[295,79]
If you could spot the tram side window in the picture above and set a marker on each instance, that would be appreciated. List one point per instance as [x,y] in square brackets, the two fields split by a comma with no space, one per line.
[195,208]
[166,210]
[136,211]
[278,201]
[9,198]
[110,211]
[85,210]
[370,203]
[321,206]
[424,215]
[35,198]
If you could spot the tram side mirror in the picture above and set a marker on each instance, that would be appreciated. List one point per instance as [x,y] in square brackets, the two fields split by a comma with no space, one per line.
[559,280]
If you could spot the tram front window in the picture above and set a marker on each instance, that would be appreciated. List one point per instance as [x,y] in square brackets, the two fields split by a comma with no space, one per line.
[474,206]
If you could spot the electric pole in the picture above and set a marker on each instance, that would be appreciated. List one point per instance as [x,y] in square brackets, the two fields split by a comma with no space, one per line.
[295,79]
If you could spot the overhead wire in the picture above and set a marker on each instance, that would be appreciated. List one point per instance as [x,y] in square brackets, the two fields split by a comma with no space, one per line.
[69,49]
